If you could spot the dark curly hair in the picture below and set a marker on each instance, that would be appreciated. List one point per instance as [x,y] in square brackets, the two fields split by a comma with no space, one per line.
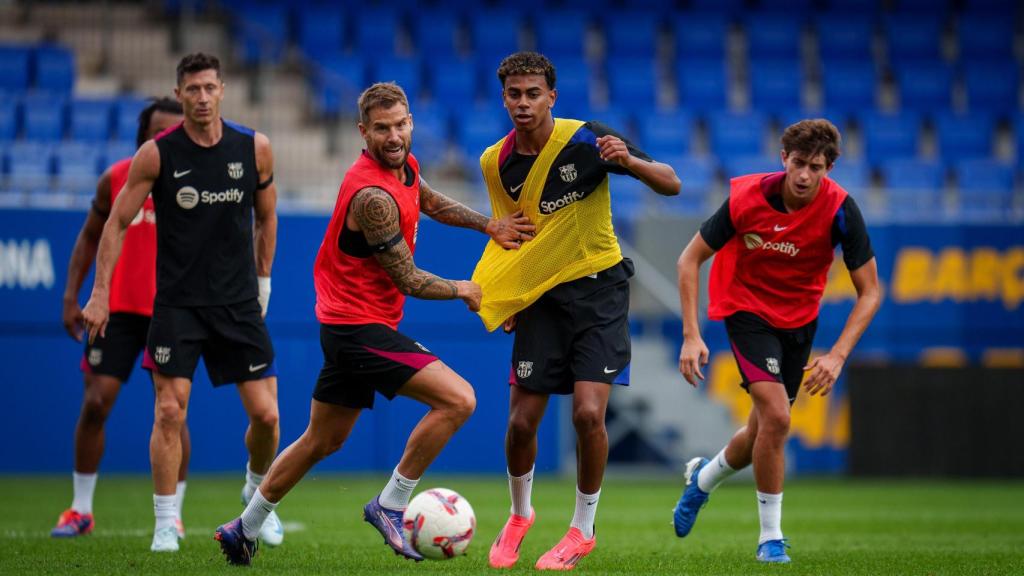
[156,105]
[527,63]
[813,137]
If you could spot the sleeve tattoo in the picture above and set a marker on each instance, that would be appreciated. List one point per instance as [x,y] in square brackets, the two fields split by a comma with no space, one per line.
[448,211]
[377,214]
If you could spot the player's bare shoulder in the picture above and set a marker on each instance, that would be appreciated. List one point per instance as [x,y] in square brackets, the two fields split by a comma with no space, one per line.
[146,162]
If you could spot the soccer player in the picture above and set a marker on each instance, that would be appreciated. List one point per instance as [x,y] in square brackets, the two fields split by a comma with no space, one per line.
[565,294]
[775,238]
[207,177]
[363,272]
[107,362]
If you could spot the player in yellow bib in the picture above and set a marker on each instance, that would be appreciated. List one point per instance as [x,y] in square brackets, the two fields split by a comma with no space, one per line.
[565,292]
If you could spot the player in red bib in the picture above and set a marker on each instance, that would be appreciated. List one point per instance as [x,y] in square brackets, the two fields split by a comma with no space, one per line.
[775,238]
[363,272]
[108,361]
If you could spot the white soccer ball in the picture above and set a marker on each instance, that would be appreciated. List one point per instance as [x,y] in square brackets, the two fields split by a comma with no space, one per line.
[439,523]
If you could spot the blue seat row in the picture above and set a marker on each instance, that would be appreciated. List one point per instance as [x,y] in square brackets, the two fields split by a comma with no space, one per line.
[43,117]
[45,68]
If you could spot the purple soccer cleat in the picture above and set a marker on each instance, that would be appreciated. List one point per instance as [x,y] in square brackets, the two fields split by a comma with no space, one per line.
[389,523]
[234,545]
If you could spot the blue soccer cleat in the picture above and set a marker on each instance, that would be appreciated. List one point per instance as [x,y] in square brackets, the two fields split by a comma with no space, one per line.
[389,523]
[692,500]
[773,551]
[233,543]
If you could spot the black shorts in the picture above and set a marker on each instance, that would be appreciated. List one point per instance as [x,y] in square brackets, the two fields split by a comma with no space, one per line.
[768,354]
[232,339]
[577,331]
[115,354]
[360,359]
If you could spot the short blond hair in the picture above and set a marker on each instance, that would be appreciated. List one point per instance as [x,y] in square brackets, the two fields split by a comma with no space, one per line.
[381,95]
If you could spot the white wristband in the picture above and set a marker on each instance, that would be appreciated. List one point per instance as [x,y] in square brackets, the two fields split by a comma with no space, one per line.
[264,293]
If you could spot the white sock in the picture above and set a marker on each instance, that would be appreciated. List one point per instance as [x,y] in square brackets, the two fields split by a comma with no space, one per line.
[396,494]
[714,472]
[179,499]
[252,482]
[769,507]
[85,485]
[520,488]
[163,509]
[586,509]
[255,514]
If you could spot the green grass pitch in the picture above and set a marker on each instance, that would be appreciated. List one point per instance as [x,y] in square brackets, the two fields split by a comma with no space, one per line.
[835,527]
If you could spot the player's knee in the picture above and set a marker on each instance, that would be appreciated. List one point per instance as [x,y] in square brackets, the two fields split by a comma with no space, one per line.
[774,422]
[521,428]
[170,414]
[95,408]
[265,418]
[462,405]
[323,446]
[587,419]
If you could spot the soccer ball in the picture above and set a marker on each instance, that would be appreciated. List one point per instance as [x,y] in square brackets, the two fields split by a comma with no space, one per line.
[439,523]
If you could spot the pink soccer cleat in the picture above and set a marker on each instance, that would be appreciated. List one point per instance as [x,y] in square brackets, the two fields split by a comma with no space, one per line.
[570,550]
[505,550]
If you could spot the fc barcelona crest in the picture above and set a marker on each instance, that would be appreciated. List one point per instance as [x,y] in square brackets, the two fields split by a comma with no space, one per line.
[525,369]
[95,356]
[567,172]
[162,354]
[235,170]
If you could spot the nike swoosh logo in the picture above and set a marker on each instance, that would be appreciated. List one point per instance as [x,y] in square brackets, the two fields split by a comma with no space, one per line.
[257,367]
[607,371]
[762,501]
[515,189]
[590,503]
[780,228]
[182,173]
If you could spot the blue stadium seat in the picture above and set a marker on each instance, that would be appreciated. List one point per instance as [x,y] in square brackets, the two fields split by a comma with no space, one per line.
[914,188]
[853,175]
[54,69]
[126,118]
[117,150]
[14,68]
[925,86]
[614,117]
[29,166]
[1002,97]
[262,32]
[772,37]
[631,34]
[44,118]
[435,34]
[860,6]
[560,34]
[794,115]
[633,82]
[702,85]
[1002,8]
[776,85]
[784,4]
[406,72]
[985,188]
[965,135]
[337,83]
[629,196]
[77,166]
[376,31]
[431,134]
[849,86]
[720,6]
[844,36]
[699,174]
[454,82]
[890,136]
[665,133]
[736,134]
[8,119]
[700,35]
[985,37]
[573,82]
[740,165]
[321,30]
[495,33]
[477,129]
[913,37]
[90,120]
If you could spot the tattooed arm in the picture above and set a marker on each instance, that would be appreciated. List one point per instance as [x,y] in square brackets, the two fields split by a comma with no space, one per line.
[374,212]
[509,232]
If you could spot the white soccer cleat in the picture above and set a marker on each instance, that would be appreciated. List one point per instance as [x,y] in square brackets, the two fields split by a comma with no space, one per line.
[272,531]
[165,540]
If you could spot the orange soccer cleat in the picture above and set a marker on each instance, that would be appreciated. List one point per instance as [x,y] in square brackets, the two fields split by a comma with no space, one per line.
[570,550]
[505,550]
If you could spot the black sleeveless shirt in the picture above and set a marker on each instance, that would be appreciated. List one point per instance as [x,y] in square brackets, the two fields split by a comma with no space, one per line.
[204,202]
